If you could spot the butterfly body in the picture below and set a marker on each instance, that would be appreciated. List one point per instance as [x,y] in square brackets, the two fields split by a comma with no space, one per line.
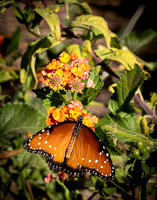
[72,147]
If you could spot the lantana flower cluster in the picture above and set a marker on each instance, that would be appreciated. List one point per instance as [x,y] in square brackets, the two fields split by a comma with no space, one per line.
[67,72]
[71,112]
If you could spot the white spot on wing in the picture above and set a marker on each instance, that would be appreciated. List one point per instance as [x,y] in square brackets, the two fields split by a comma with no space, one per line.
[46,142]
[89,161]
[39,143]
[96,161]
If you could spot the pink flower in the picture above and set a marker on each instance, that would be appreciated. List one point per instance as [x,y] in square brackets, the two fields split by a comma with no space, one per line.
[49,178]
[90,83]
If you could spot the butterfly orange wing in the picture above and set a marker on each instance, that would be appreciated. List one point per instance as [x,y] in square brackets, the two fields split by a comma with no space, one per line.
[89,155]
[52,142]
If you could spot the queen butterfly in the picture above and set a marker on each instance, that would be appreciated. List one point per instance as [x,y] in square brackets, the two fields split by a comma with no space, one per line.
[73,148]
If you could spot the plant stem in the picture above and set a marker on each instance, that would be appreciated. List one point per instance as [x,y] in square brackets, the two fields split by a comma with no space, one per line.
[133,21]
[120,188]
[145,108]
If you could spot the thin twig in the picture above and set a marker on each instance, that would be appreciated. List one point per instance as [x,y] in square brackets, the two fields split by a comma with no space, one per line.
[8,154]
[144,106]
[133,21]
[30,190]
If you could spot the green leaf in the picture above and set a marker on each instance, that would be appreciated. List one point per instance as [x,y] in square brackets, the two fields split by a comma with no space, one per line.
[84,7]
[137,40]
[96,22]
[125,90]
[25,158]
[50,97]
[52,20]
[109,191]
[74,48]
[125,128]
[123,56]
[13,41]
[7,75]
[88,94]
[28,59]
[148,163]
[18,119]
[83,51]
[107,140]
[61,186]
[86,52]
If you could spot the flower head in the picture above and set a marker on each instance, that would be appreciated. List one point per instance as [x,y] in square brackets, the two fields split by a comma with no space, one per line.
[54,82]
[67,72]
[62,175]
[76,86]
[49,178]
[64,57]
[70,112]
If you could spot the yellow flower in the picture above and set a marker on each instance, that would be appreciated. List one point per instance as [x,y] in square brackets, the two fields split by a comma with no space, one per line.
[88,121]
[59,73]
[75,112]
[64,57]
[56,114]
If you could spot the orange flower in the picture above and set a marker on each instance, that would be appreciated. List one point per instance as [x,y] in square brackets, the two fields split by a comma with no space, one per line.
[62,175]
[55,64]
[67,68]
[28,134]
[71,112]
[49,121]
[74,57]
[67,77]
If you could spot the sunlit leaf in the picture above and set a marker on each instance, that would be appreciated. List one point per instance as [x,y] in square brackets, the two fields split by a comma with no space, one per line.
[52,20]
[74,48]
[94,21]
[123,56]
[29,58]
